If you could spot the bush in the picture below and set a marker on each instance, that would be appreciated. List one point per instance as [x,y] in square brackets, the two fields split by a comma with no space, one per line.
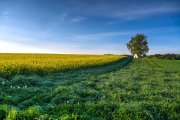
[165,56]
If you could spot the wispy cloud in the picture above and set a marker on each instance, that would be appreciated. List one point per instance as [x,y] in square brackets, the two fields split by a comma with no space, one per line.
[4,14]
[81,26]
[101,36]
[76,19]
[144,12]
[110,22]
[53,47]
[128,9]
[84,44]
[98,36]
[65,18]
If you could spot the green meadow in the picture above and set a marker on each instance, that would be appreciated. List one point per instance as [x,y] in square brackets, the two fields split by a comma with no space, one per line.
[127,89]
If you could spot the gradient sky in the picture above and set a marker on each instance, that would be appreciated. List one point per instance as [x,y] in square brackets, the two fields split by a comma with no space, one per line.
[88,26]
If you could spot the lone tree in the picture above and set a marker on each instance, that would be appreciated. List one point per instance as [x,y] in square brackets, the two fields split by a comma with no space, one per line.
[138,45]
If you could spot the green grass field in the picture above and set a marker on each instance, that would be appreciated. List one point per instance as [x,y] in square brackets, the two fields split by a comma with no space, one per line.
[146,89]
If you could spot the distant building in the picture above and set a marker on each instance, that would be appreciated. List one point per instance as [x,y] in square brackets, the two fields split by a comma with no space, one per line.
[135,56]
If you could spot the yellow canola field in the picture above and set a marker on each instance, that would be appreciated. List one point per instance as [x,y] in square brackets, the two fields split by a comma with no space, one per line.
[12,64]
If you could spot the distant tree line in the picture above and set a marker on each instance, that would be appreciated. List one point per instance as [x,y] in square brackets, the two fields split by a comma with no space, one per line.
[165,56]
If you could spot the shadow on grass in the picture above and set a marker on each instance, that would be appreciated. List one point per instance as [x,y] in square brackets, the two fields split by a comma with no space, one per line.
[23,91]
[83,73]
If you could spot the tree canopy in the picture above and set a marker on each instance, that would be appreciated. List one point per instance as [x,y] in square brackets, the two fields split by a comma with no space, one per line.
[138,45]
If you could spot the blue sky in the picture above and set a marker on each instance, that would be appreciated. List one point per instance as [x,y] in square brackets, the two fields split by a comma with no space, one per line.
[88,26]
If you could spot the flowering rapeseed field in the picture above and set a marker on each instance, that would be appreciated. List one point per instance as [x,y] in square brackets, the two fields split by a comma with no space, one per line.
[13,64]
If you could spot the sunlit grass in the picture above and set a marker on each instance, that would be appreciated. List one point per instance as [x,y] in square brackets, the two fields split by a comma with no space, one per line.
[143,89]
